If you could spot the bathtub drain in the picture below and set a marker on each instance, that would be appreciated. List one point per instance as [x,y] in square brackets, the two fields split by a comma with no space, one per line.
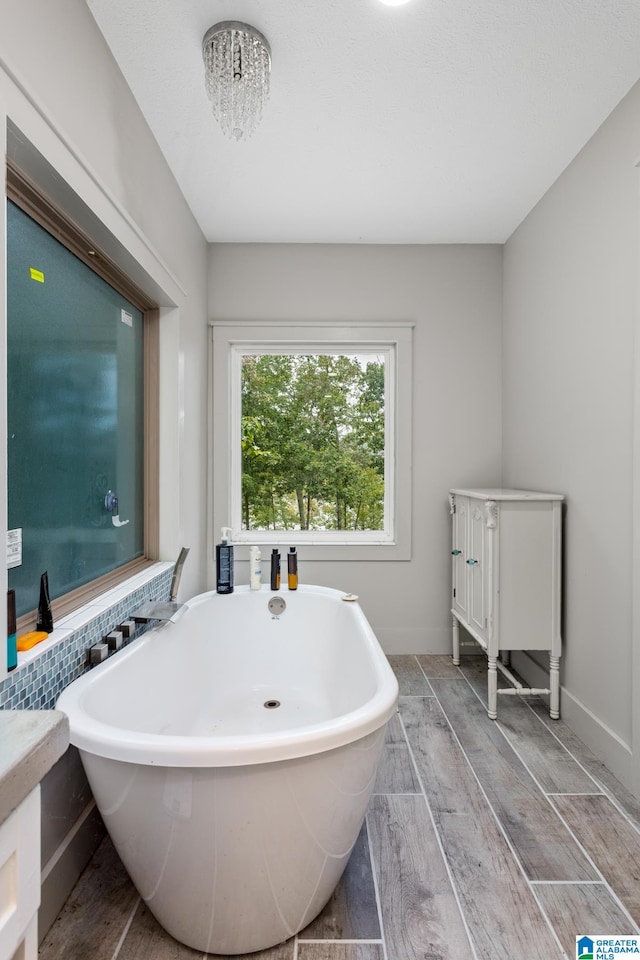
[271,704]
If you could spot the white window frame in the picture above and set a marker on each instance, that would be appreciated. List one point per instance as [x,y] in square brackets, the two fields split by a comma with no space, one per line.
[230,342]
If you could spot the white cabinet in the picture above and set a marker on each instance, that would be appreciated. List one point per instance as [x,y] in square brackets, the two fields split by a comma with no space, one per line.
[30,743]
[506,580]
[20,880]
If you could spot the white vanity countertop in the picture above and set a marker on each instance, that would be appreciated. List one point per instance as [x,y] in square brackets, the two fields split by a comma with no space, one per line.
[31,741]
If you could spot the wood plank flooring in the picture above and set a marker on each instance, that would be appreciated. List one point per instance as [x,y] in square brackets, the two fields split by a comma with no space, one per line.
[484,840]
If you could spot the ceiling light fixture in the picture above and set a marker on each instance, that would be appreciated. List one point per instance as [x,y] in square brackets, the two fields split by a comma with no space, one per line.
[237,61]
[394,3]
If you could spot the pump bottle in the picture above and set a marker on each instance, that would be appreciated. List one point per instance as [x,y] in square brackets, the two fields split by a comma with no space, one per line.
[224,563]
[292,569]
[275,569]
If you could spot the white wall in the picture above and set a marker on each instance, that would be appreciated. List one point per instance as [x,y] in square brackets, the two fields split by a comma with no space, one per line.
[453,294]
[61,87]
[570,313]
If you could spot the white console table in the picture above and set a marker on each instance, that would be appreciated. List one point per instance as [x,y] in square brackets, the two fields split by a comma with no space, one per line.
[506,581]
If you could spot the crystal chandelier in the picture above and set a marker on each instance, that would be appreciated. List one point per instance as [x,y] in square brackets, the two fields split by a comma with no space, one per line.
[237,61]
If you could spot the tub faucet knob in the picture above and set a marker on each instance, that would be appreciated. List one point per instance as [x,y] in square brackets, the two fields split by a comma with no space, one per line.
[114,639]
[97,653]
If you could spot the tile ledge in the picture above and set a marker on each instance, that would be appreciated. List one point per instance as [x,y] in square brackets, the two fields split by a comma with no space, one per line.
[85,614]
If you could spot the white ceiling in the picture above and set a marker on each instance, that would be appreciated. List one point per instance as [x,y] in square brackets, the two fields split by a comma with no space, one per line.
[441,121]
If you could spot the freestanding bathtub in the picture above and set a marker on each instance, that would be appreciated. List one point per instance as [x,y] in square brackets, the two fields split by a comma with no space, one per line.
[232,755]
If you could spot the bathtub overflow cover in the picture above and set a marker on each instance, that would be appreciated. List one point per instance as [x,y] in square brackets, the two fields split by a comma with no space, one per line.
[271,704]
[276,607]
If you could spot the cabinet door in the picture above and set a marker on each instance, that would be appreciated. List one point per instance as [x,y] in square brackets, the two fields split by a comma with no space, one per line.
[477,562]
[459,569]
[20,877]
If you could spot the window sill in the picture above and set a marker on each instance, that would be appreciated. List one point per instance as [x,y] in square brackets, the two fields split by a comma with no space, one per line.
[314,550]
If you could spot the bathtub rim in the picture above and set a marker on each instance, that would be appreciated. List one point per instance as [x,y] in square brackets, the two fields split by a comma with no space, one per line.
[167,750]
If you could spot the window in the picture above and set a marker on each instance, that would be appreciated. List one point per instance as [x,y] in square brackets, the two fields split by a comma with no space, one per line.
[311,436]
[312,440]
[80,410]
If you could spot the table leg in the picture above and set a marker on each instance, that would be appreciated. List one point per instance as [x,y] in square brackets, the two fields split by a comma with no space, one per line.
[456,641]
[554,684]
[492,689]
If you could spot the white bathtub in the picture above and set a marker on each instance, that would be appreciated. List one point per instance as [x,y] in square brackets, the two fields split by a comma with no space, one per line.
[234,819]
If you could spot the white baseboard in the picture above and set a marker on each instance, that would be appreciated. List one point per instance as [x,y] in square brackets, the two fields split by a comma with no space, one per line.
[62,871]
[602,741]
[408,640]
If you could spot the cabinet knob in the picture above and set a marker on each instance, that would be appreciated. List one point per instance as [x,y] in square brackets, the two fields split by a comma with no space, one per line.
[456,553]
[472,562]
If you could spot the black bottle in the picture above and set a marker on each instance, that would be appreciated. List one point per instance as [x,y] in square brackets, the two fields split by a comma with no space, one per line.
[224,563]
[275,569]
[292,569]
[45,615]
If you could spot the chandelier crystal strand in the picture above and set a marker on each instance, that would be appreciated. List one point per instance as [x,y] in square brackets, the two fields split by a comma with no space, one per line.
[237,72]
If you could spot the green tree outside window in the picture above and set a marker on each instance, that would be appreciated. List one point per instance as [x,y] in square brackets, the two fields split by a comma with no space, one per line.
[313,442]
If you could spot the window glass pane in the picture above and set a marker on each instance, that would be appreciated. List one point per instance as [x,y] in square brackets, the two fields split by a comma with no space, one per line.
[313,441]
[75,415]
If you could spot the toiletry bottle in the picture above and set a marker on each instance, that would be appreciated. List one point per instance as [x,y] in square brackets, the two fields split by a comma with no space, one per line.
[275,569]
[292,569]
[12,650]
[45,615]
[224,563]
[255,568]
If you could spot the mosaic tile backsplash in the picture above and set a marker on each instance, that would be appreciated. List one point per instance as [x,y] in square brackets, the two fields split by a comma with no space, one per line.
[36,685]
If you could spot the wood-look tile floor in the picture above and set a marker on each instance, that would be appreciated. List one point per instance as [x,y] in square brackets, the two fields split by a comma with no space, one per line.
[484,840]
